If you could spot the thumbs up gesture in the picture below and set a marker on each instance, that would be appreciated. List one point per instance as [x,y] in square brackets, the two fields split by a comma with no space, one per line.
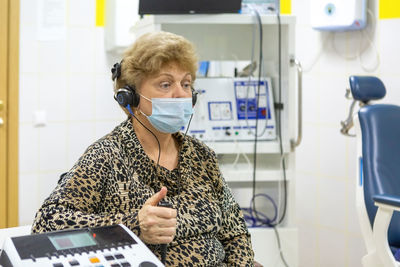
[157,224]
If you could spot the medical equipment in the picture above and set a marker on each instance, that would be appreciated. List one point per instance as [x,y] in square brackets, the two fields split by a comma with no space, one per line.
[101,246]
[338,15]
[227,110]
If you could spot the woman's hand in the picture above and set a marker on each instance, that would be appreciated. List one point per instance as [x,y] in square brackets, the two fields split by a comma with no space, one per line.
[157,224]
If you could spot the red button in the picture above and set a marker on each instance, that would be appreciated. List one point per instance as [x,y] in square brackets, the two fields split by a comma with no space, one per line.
[263,112]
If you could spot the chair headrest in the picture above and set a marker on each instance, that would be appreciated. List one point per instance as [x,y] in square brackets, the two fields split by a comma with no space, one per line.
[366,88]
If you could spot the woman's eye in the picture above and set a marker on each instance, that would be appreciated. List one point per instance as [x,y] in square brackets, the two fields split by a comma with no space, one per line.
[164,85]
[187,85]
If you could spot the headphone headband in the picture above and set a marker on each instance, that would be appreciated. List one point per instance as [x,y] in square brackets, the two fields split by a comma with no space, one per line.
[116,71]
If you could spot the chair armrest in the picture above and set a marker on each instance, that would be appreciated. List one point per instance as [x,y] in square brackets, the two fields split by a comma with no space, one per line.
[387,204]
[389,201]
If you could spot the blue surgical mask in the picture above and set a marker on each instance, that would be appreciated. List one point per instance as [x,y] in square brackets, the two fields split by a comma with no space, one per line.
[169,115]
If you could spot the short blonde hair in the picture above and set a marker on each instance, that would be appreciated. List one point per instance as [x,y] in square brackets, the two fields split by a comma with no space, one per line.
[153,51]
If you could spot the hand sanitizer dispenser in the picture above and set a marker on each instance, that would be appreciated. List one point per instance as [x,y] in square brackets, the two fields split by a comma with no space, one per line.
[338,15]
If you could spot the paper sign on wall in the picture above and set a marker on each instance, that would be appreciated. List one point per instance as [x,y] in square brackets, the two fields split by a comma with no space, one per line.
[51,20]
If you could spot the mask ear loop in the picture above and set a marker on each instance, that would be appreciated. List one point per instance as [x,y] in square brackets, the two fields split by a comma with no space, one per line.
[139,110]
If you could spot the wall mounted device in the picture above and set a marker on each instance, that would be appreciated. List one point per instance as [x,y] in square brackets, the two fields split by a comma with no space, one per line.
[226,110]
[102,246]
[338,15]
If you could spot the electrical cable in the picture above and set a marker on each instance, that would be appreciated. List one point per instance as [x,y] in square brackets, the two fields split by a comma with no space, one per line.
[253,208]
[246,115]
[280,247]
[240,152]
[331,37]
[163,247]
[359,54]
[371,44]
[158,142]
[318,55]
[262,218]
[283,162]
[259,24]
[279,115]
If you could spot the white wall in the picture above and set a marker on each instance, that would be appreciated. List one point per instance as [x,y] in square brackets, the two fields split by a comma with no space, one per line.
[70,81]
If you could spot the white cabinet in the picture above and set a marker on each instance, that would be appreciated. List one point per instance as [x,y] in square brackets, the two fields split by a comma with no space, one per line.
[230,37]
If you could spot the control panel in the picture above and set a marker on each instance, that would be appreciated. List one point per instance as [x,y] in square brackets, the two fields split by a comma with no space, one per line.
[102,246]
[233,109]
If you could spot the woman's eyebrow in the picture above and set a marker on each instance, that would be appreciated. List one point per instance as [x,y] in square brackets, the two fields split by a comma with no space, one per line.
[172,76]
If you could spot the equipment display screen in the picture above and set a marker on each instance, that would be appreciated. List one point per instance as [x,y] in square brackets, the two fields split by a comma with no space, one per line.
[72,240]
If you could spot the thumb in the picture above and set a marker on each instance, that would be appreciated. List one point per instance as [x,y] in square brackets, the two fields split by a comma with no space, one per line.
[157,197]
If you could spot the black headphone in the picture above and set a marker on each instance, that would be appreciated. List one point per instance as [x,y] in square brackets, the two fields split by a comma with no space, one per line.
[127,95]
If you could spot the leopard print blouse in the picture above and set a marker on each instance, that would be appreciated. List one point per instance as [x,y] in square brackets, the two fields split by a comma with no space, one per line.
[114,177]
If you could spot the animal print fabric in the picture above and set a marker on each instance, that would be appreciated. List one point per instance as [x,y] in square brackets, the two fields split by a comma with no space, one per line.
[114,177]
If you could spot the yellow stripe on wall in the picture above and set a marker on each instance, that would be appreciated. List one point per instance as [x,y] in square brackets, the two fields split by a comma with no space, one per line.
[389,9]
[286,7]
[100,13]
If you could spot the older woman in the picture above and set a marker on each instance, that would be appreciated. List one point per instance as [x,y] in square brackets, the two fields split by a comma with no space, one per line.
[123,177]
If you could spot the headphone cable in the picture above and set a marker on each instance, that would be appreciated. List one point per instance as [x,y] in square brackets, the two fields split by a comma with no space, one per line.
[158,142]
[163,247]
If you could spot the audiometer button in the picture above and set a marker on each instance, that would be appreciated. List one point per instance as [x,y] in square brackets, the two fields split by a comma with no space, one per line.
[119,256]
[58,264]
[109,257]
[126,264]
[94,260]
[73,262]
[147,264]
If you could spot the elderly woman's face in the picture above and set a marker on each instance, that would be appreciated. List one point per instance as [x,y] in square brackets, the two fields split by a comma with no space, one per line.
[171,81]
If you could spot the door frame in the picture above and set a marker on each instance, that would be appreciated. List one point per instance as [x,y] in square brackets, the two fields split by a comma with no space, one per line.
[9,94]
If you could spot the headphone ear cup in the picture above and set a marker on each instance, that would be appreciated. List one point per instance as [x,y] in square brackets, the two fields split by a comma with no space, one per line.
[123,97]
[127,96]
[135,96]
